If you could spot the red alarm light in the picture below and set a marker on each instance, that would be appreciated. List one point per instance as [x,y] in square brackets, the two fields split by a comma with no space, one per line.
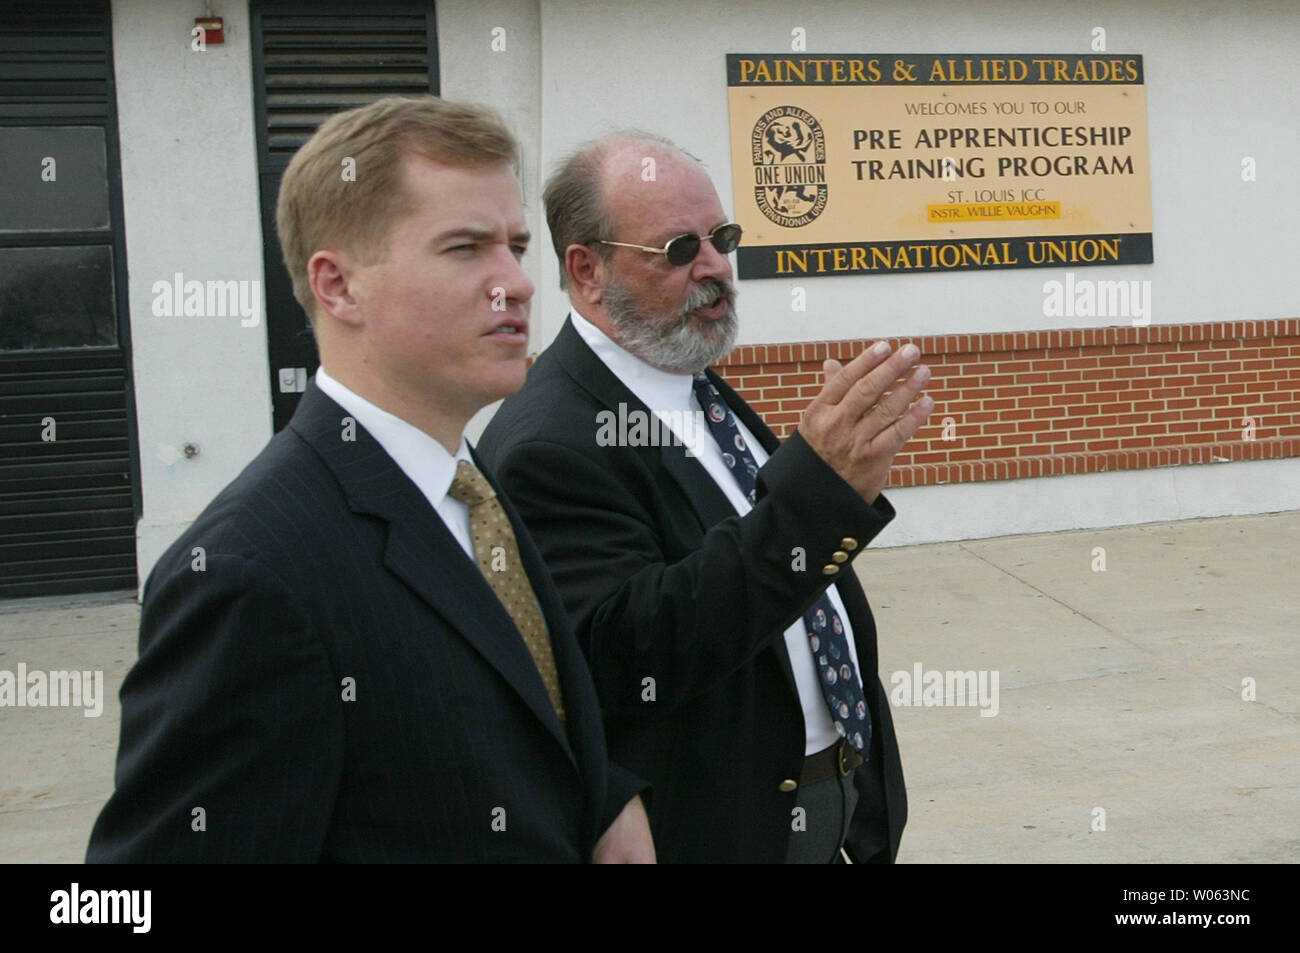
[212,27]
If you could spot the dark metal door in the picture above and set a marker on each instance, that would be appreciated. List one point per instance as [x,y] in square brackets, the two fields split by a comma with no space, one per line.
[310,60]
[69,466]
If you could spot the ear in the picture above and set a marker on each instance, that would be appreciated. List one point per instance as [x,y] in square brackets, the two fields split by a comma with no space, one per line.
[331,274]
[586,273]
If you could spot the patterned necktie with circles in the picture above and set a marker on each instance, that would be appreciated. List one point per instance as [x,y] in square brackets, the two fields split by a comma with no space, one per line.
[827,641]
[494,542]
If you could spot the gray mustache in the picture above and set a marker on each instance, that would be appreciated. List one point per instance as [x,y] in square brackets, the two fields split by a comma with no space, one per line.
[708,292]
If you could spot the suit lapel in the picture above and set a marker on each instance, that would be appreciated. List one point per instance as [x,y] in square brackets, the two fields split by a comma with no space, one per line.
[422,552]
[706,498]
[590,373]
[424,555]
[570,664]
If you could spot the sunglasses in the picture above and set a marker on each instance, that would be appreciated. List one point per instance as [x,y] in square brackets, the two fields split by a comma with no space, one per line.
[683,249]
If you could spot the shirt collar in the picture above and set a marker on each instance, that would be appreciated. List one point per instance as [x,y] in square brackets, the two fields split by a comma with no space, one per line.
[657,389]
[422,458]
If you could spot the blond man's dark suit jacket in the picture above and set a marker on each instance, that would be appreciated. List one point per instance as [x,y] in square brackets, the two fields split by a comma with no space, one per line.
[664,581]
[334,680]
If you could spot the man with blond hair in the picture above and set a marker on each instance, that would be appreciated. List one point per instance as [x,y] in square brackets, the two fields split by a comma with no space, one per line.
[355,652]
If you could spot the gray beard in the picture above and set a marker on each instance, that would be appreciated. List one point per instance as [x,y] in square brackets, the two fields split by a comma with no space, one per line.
[679,347]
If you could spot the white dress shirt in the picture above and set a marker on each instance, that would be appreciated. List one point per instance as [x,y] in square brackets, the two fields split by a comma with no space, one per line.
[671,398]
[423,459]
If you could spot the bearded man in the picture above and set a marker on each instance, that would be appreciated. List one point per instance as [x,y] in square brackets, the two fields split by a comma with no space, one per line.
[740,679]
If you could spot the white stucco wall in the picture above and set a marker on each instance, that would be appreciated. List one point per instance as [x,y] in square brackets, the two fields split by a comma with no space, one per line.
[928,514]
[1218,83]
[190,202]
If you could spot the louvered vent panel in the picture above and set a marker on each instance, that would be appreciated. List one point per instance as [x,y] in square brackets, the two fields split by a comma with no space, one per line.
[54,60]
[314,66]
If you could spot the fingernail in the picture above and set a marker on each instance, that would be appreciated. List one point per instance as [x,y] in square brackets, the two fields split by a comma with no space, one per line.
[927,403]
[910,351]
[881,348]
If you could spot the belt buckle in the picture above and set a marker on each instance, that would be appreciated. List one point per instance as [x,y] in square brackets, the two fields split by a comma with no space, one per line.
[841,758]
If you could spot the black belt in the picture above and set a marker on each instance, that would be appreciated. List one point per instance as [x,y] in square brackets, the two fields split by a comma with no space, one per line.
[837,761]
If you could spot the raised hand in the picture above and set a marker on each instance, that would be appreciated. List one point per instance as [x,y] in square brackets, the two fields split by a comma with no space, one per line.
[855,426]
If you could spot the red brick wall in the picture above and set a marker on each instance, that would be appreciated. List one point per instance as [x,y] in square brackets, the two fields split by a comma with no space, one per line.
[1087,400]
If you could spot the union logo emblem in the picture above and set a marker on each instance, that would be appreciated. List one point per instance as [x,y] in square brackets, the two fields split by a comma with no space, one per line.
[789,153]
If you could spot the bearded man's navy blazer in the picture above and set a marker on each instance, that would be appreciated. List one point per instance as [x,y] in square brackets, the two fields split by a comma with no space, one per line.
[681,607]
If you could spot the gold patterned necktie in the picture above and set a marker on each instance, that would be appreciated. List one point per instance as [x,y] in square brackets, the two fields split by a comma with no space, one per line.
[497,555]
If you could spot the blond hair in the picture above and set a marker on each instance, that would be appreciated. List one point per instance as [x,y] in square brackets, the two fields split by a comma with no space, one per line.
[322,206]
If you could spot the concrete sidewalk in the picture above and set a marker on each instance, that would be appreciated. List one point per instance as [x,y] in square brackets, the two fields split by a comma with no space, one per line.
[1121,733]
